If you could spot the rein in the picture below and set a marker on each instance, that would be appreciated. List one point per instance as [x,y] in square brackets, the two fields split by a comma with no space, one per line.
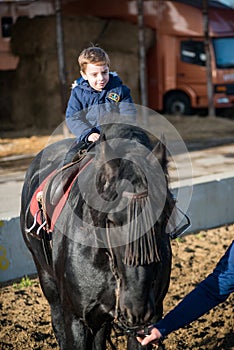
[179,231]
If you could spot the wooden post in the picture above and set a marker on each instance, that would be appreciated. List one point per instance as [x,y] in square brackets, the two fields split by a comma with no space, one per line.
[210,94]
[61,61]
[142,58]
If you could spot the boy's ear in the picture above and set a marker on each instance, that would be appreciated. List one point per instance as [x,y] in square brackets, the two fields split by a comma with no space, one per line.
[83,75]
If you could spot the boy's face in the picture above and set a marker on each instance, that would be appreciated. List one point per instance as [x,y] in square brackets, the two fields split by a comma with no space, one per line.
[97,76]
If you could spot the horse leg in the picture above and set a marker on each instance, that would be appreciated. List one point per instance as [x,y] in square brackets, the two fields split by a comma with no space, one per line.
[50,291]
[77,335]
[100,338]
[71,333]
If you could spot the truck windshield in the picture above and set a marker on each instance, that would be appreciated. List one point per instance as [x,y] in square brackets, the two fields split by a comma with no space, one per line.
[224,52]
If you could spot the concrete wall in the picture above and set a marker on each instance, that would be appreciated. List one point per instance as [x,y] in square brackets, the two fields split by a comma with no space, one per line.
[212,205]
[212,202]
[15,259]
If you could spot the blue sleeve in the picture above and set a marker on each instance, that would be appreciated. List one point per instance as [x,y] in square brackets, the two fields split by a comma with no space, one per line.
[75,117]
[212,291]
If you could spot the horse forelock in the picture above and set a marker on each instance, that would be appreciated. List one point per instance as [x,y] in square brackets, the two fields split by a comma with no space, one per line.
[139,234]
[141,247]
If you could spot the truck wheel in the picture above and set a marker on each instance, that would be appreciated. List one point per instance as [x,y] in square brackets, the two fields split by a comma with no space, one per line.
[178,104]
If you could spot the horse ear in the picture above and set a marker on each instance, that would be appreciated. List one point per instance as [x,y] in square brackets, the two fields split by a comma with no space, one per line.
[106,152]
[160,152]
[107,160]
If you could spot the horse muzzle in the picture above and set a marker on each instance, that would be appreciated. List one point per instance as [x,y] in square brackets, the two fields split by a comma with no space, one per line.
[132,315]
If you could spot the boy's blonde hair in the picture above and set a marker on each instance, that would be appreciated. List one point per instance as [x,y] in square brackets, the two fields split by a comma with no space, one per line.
[94,55]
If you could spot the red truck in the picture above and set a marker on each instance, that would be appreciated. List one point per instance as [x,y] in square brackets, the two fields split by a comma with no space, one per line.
[177,80]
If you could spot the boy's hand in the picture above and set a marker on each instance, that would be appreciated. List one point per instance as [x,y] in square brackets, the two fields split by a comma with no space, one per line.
[93,137]
[153,338]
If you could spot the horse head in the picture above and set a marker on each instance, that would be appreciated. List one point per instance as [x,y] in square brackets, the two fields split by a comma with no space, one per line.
[134,206]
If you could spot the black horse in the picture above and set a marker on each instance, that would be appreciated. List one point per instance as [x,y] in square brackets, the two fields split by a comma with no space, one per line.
[104,259]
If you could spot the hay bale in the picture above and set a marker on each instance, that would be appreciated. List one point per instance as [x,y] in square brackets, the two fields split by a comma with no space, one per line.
[31,36]
[36,100]
[122,36]
[127,67]
[81,31]
[7,80]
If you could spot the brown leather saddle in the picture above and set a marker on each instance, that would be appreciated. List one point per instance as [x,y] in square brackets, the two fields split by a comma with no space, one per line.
[51,196]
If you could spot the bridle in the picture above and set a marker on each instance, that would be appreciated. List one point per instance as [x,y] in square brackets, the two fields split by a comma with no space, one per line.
[118,324]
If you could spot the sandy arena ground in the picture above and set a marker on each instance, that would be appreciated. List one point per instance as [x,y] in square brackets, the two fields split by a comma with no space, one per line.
[25,315]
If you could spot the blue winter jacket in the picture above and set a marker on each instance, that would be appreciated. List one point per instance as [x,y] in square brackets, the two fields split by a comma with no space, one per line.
[212,291]
[87,107]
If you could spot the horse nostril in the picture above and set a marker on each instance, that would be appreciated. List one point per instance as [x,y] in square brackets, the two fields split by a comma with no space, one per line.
[136,317]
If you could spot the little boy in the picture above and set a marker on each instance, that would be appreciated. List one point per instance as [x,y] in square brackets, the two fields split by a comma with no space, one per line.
[95,94]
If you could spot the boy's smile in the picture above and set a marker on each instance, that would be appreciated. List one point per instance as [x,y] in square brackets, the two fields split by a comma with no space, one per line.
[97,75]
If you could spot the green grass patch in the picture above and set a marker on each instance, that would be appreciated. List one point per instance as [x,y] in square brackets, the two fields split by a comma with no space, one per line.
[24,283]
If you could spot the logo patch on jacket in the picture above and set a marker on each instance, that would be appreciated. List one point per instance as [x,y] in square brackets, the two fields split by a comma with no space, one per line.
[114,96]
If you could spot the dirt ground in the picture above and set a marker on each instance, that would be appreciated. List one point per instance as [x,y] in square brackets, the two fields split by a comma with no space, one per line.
[24,312]
[197,132]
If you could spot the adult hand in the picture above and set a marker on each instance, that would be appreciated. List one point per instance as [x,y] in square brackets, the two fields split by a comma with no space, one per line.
[153,338]
[93,137]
